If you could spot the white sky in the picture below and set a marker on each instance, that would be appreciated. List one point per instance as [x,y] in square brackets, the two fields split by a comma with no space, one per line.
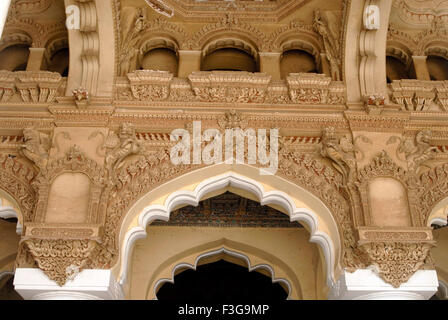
[4,5]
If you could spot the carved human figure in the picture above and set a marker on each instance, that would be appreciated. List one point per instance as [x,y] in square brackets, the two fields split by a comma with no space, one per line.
[129,51]
[340,152]
[123,145]
[37,146]
[330,46]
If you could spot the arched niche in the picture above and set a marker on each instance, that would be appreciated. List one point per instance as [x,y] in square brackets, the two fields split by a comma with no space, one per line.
[229,59]
[437,67]
[297,61]
[68,200]
[277,272]
[59,62]
[389,206]
[160,59]
[245,181]
[397,69]
[14,57]
[57,55]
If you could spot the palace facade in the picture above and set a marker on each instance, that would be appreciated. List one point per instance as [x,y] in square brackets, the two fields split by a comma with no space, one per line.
[98,96]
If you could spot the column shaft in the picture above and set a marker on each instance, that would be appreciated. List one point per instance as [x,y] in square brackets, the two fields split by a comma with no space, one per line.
[189,61]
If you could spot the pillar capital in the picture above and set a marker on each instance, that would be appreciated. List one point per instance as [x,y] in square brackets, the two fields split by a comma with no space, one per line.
[33,284]
[365,284]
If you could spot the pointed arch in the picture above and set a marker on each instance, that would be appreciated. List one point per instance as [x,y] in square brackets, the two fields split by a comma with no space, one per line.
[269,190]
[228,250]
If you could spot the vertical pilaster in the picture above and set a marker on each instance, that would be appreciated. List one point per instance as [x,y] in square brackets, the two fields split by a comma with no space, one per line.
[189,61]
[325,66]
[270,64]
[421,68]
[36,59]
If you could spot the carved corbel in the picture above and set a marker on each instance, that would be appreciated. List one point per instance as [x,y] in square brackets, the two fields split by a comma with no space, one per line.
[397,253]
[397,261]
[61,259]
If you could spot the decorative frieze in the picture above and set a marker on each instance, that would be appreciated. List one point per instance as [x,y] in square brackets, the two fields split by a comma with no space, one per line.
[222,86]
[149,85]
[230,87]
[33,87]
[419,95]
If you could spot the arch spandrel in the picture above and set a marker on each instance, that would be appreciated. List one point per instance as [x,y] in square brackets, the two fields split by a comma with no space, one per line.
[270,190]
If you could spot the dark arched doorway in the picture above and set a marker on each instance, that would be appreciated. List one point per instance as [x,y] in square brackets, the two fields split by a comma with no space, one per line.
[221,281]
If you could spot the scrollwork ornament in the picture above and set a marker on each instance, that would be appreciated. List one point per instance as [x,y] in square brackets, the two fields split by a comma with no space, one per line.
[396,261]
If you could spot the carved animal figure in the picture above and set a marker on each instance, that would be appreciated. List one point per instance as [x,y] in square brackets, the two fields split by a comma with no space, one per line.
[37,147]
[419,151]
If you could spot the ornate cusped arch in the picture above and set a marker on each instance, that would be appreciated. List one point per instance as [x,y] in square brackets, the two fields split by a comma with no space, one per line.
[228,250]
[273,191]
[432,188]
[16,181]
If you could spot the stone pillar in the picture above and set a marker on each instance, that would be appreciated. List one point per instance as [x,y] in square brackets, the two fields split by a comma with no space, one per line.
[189,61]
[325,65]
[270,64]
[421,68]
[36,59]
[364,284]
[33,284]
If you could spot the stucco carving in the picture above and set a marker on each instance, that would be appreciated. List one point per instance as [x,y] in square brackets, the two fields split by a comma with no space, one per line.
[37,147]
[330,44]
[57,258]
[397,261]
[417,151]
[120,146]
